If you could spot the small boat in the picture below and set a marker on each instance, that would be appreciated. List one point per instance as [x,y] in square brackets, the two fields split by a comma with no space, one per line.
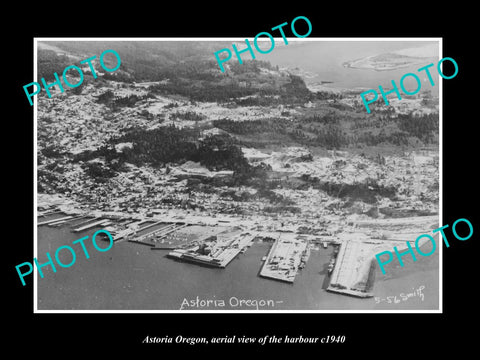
[331,266]
[264,258]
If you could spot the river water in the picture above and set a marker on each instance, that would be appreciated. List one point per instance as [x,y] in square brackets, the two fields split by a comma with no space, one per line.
[130,276]
[325,59]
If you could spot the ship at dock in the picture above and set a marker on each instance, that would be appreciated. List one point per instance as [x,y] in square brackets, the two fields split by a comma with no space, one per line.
[304,258]
[216,251]
[331,266]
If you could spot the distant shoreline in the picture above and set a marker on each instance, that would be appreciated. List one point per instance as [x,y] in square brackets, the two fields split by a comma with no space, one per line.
[385,62]
[350,66]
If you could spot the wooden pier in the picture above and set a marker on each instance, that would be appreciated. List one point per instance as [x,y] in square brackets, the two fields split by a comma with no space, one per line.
[284,259]
[54,220]
[91,225]
[347,276]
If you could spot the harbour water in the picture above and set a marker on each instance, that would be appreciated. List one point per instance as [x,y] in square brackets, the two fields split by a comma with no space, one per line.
[133,277]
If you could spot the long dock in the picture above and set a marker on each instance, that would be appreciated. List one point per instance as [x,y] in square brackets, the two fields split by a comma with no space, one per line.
[48,212]
[63,221]
[54,220]
[118,235]
[347,278]
[91,225]
[89,220]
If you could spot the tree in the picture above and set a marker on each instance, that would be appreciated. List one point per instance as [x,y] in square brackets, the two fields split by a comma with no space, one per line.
[220,153]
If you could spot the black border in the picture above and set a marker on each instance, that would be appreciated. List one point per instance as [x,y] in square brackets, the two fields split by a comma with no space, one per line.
[366,333]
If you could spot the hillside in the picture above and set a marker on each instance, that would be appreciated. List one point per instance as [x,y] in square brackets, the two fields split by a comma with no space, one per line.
[166,108]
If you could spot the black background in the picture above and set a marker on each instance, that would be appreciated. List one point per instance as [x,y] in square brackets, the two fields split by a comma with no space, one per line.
[367,334]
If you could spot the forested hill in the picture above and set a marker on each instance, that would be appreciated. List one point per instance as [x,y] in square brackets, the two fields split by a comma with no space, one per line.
[149,54]
[188,69]
[143,60]
[284,110]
